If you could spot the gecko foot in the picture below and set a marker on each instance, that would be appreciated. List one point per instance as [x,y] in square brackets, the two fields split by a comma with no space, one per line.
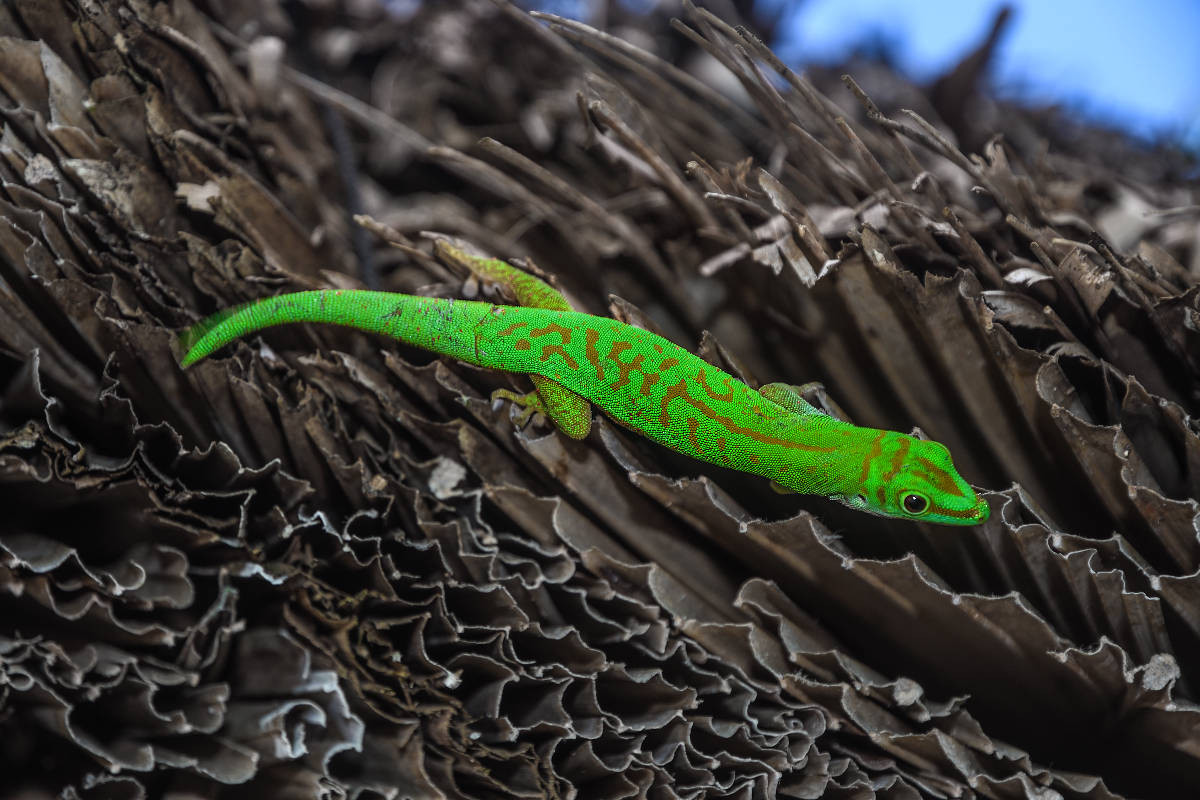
[530,404]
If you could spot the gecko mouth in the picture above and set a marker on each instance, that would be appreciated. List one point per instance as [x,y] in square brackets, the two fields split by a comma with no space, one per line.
[977,515]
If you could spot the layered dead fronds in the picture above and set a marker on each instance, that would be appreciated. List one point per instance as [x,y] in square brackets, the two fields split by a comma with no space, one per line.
[320,565]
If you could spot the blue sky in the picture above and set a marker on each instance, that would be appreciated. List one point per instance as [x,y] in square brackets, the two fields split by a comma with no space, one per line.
[1131,64]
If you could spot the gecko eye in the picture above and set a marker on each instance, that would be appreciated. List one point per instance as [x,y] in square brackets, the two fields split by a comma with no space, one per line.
[915,504]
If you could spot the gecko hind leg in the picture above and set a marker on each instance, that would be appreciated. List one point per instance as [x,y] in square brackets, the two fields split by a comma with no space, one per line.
[569,412]
[528,290]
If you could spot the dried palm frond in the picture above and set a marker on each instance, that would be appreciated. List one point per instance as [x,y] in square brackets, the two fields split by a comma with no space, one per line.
[323,565]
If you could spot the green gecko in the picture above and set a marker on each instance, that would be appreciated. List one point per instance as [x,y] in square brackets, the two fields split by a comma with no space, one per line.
[642,381]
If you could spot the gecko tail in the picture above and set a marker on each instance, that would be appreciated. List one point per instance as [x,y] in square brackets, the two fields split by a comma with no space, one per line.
[203,338]
[440,326]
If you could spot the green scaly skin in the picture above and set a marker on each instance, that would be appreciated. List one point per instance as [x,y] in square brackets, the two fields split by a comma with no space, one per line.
[641,380]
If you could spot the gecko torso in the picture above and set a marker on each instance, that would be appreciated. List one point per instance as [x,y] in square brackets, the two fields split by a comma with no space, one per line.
[646,383]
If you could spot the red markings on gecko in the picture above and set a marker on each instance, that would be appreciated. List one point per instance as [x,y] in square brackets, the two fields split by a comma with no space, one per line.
[874,452]
[937,477]
[693,425]
[624,369]
[650,379]
[680,391]
[727,381]
[592,336]
[897,460]
[509,330]
[552,327]
[548,350]
[552,349]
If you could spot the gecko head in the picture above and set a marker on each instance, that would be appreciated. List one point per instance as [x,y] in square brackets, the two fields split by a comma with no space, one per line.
[915,479]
